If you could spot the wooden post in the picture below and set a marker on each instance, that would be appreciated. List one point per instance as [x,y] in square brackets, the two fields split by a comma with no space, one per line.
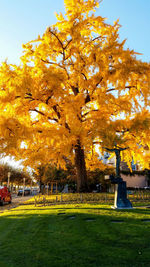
[44,200]
[35,201]
[24,182]
[47,188]
[51,187]
[143,195]
[56,188]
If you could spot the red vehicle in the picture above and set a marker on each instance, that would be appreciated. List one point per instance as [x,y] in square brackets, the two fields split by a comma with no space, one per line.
[5,195]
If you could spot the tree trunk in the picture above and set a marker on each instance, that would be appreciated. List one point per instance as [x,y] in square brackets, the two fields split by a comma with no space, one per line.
[81,168]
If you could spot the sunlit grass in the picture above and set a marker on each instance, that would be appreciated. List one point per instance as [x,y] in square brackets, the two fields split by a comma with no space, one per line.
[99,198]
[102,198]
[74,235]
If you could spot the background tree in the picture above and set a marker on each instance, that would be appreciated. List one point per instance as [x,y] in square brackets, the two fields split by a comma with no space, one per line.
[97,181]
[45,174]
[77,86]
[16,175]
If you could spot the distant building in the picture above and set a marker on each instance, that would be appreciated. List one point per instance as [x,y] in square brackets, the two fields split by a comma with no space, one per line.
[135,179]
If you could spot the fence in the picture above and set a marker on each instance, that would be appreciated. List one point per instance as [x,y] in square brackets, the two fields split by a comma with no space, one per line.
[138,196]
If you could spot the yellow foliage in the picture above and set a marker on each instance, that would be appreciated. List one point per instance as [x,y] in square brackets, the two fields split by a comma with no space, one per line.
[76,82]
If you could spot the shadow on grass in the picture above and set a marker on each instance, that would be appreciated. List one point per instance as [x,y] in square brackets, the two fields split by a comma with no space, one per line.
[67,207]
[81,237]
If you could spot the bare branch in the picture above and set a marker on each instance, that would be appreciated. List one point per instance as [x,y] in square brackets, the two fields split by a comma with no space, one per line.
[59,42]
[40,112]
[96,38]
[126,87]
[67,127]
[56,111]
[48,99]
[52,63]
[55,108]
[43,114]
[84,76]
[97,84]
[11,133]
[79,117]
[68,43]
[112,89]
[89,112]
[99,81]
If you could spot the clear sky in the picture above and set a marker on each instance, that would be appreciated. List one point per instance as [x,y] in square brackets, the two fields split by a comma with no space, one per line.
[22,21]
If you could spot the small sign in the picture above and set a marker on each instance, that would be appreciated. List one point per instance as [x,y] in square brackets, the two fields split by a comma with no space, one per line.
[106,177]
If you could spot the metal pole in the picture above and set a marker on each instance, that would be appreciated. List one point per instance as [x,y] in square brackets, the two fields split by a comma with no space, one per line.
[24,179]
[8,182]
[47,188]
[31,186]
[56,188]
[118,159]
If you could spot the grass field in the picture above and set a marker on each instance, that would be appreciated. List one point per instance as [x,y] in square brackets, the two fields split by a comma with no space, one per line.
[74,235]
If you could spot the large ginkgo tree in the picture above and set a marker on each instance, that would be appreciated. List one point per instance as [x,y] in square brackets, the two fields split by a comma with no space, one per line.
[77,90]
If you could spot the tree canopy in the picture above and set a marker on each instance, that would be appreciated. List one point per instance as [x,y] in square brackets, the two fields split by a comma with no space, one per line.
[16,175]
[78,89]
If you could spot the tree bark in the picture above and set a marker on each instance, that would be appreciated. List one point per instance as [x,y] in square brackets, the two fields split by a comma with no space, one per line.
[80,168]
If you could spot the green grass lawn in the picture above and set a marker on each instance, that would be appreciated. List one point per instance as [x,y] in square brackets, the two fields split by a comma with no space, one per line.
[74,235]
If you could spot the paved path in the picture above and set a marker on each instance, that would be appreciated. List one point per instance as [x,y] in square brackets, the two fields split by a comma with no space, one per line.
[16,200]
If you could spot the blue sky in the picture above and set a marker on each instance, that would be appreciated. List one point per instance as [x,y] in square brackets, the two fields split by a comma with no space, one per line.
[22,21]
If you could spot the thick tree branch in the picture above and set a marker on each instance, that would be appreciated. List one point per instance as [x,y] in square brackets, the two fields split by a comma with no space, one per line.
[48,99]
[55,108]
[67,127]
[84,76]
[75,90]
[43,114]
[87,99]
[79,118]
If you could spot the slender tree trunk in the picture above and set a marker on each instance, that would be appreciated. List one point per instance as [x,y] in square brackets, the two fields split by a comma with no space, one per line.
[80,168]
